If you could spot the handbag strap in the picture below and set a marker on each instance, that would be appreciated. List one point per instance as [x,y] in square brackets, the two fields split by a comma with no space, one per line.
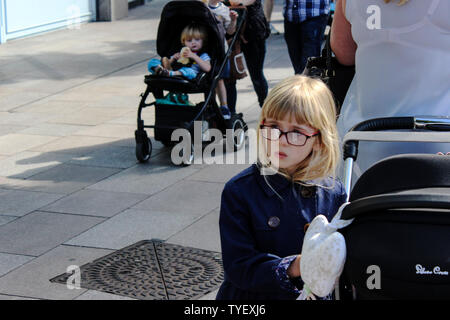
[328,52]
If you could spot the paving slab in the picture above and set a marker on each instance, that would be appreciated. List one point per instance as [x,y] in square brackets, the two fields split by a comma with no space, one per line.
[204,234]
[28,163]
[109,131]
[32,279]
[19,202]
[10,297]
[110,156]
[13,143]
[53,106]
[44,231]
[133,225]
[128,118]
[89,115]
[192,197]
[95,203]
[6,219]
[9,183]
[148,178]
[68,178]
[53,129]
[17,99]
[76,145]
[117,101]
[157,147]
[6,128]
[218,172]
[9,262]
[98,295]
[23,119]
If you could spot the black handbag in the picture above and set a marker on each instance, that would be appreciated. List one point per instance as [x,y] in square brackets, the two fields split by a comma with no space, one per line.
[337,76]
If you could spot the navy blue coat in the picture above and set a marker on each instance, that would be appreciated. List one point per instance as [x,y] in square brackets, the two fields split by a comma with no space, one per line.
[258,230]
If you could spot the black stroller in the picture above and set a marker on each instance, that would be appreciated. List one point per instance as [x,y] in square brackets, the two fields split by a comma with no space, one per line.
[398,244]
[174,17]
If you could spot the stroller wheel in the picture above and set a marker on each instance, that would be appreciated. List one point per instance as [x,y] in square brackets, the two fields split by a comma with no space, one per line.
[144,150]
[238,127]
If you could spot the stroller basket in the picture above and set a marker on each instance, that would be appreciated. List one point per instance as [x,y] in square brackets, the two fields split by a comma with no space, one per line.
[397,245]
[166,122]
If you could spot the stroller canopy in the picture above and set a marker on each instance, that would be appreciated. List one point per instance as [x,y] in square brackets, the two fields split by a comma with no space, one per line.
[178,14]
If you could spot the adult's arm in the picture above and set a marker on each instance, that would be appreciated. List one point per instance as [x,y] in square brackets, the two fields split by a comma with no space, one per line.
[342,43]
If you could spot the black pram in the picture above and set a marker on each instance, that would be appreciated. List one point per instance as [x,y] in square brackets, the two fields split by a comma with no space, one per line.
[398,244]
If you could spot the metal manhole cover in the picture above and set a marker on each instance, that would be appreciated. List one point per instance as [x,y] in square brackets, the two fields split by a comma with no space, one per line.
[153,270]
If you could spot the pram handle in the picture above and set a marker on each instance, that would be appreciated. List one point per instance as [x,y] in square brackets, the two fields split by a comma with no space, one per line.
[395,123]
[350,148]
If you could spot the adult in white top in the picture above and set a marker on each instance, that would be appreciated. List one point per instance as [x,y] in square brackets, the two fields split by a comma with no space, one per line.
[401,51]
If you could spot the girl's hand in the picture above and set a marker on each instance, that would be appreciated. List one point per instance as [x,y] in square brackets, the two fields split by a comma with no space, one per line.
[294,269]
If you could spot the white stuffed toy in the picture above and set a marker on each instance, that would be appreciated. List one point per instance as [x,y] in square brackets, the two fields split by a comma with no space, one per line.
[323,255]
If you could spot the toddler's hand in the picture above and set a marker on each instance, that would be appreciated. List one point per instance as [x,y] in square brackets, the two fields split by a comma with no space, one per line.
[186,52]
[184,55]
[233,15]
[176,56]
[189,54]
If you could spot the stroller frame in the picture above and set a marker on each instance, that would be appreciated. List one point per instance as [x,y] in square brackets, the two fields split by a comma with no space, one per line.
[169,118]
[394,206]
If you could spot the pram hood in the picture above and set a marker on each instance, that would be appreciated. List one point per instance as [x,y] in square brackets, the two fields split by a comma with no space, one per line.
[403,172]
[178,14]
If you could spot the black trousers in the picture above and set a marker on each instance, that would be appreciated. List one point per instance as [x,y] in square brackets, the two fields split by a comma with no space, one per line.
[304,40]
[254,53]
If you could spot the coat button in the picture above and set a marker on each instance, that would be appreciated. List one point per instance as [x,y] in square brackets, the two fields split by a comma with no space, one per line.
[273,222]
[307,192]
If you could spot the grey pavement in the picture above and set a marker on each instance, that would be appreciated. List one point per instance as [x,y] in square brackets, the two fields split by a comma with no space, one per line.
[71,190]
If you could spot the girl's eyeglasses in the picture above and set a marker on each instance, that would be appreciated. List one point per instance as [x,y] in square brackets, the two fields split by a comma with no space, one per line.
[295,138]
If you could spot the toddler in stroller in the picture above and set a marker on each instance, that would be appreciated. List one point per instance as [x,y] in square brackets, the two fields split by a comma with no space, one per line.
[189,61]
[176,15]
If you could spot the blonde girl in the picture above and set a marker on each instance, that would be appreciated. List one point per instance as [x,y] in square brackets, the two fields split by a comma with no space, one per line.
[266,208]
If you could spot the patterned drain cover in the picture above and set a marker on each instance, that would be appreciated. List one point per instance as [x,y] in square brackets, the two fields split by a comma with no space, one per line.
[153,270]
